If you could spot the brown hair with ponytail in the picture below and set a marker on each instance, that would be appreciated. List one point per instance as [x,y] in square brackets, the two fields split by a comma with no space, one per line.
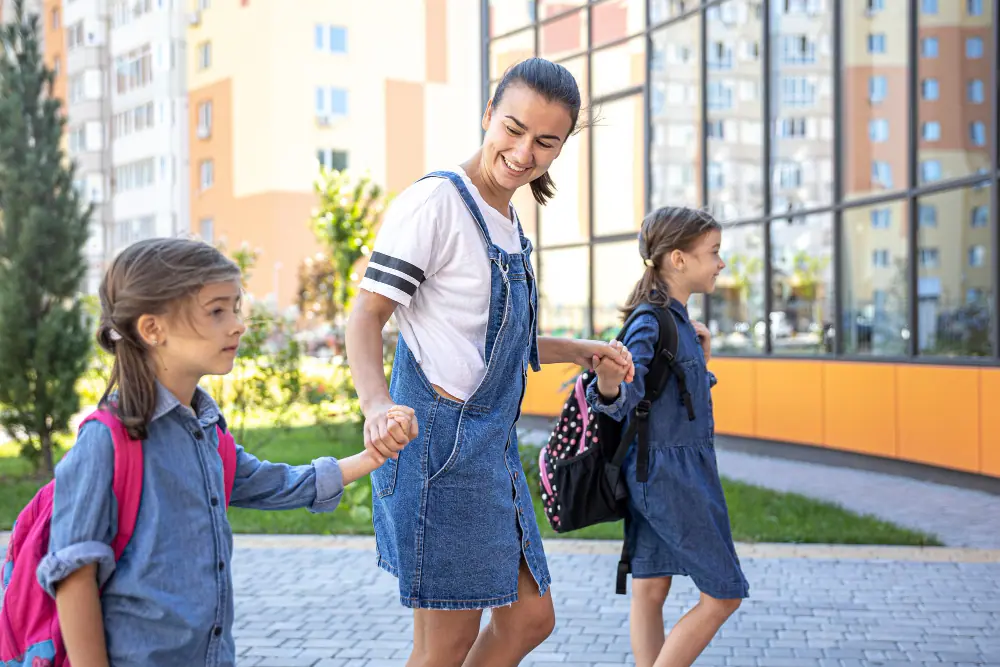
[152,277]
[556,84]
[664,230]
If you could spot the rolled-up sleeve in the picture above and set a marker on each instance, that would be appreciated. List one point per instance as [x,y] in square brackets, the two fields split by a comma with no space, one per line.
[641,341]
[264,485]
[83,512]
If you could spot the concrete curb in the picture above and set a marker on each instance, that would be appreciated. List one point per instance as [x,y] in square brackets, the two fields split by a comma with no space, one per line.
[766,551]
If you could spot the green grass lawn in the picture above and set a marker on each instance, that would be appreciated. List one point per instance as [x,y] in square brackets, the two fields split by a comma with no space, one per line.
[757,514]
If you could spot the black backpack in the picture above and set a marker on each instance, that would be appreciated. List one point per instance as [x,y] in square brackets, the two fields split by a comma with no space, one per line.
[580,466]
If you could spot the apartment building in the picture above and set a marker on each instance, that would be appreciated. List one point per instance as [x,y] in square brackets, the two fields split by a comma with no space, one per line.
[273,94]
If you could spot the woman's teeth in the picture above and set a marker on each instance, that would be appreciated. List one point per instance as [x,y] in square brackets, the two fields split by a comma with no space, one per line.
[512,167]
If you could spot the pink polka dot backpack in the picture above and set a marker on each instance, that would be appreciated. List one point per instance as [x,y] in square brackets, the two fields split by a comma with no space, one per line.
[580,466]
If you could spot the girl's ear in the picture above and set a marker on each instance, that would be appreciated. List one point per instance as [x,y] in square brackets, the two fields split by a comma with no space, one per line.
[150,330]
[677,260]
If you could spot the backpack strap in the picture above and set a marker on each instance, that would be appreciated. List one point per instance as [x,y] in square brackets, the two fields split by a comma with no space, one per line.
[127,481]
[227,452]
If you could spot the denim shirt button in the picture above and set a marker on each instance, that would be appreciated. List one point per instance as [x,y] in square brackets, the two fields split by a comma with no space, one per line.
[198,435]
[215,501]
[217,631]
[222,565]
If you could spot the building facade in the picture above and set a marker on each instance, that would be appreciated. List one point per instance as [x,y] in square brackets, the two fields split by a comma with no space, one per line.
[849,147]
[275,93]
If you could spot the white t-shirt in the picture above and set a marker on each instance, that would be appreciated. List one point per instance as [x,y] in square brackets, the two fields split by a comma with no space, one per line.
[430,258]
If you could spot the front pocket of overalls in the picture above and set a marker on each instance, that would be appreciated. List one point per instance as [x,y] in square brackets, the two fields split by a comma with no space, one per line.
[384,478]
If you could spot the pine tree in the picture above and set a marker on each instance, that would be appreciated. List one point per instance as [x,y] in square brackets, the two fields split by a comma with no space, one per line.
[44,335]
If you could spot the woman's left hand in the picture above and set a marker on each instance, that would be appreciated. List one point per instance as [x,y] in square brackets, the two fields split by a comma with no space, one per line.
[593,351]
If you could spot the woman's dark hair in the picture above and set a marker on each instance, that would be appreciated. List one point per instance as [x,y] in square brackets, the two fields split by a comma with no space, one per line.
[663,231]
[151,277]
[554,83]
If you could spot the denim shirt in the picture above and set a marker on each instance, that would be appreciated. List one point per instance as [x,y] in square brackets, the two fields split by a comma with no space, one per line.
[169,601]
[668,421]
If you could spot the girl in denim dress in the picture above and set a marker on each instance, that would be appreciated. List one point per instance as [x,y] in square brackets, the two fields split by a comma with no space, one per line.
[170,315]
[679,524]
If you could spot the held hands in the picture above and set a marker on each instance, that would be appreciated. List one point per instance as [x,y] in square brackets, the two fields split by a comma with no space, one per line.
[705,338]
[387,430]
[613,364]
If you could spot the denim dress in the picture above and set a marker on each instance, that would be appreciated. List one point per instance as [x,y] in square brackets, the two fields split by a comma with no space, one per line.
[679,520]
[169,601]
[453,515]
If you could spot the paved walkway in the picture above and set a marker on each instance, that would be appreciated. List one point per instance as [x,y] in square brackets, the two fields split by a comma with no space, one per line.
[325,604]
[958,517]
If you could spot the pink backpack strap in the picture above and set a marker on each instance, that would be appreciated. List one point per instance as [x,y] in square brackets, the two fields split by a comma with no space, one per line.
[127,484]
[227,452]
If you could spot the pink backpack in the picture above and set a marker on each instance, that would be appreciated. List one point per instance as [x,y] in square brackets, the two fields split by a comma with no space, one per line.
[29,626]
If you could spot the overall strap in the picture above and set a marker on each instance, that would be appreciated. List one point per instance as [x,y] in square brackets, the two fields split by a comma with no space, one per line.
[470,204]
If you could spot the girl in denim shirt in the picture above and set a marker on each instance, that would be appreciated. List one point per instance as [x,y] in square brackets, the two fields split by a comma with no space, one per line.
[170,314]
[679,524]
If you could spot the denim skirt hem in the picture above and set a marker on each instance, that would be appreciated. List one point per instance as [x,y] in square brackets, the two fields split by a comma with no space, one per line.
[718,590]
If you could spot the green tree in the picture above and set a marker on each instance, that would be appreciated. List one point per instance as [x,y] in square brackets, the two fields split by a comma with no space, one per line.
[44,332]
[344,225]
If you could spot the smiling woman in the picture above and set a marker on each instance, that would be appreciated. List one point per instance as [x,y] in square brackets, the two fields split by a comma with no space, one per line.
[452,510]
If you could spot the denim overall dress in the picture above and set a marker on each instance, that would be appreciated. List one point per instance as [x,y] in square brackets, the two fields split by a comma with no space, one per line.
[453,516]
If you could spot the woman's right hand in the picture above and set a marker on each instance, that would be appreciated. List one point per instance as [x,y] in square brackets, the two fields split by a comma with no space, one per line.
[388,428]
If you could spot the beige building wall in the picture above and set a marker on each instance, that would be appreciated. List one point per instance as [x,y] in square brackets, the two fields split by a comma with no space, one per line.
[413,103]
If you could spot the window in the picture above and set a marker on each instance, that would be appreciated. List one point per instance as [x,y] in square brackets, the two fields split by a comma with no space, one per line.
[715,129]
[338,39]
[206,230]
[205,119]
[76,88]
[974,7]
[980,217]
[930,131]
[881,218]
[974,47]
[975,91]
[930,258]
[74,36]
[929,89]
[930,170]
[790,127]
[878,130]
[797,91]
[797,50]
[878,87]
[927,215]
[204,4]
[977,133]
[880,258]
[332,159]
[56,66]
[875,5]
[319,33]
[720,95]
[54,18]
[716,177]
[929,47]
[204,55]
[977,255]
[788,175]
[338,101]
[929,6]
[134,70]
[134,175]
[207,172]
[876,43]
[881,174]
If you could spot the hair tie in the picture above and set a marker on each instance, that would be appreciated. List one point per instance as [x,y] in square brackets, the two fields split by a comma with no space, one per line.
[114,335]
[648,262]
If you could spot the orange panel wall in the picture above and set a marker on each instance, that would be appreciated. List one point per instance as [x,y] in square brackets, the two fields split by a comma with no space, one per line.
[989,413]
[945,416]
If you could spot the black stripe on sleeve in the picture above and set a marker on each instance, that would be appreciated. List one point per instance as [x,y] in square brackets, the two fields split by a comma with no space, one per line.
[391,279]
[399,265]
